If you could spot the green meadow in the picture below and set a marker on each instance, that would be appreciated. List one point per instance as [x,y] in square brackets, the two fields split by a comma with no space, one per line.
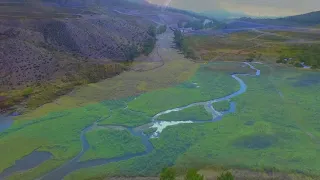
[275,126]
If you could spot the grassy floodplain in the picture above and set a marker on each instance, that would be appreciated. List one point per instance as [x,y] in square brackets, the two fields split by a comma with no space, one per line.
[274,128]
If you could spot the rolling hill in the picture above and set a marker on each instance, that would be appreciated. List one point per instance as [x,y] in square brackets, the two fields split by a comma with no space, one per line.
[309,19]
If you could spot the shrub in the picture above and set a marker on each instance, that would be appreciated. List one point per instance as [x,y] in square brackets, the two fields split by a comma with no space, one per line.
[162,29]
[152,31]
[27,91]
[226,176]
[193,175]
[168,174]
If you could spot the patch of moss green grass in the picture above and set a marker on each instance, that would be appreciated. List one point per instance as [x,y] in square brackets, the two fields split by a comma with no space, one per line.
[108,143]
[126,117]
[196,113]
[285,135]
[221,106]
[210,84]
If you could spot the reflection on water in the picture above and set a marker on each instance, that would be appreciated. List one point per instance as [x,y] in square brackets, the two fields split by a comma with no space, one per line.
[5,123]
[28,162]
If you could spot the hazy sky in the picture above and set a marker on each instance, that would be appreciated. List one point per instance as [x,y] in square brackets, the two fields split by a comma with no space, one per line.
[250,7]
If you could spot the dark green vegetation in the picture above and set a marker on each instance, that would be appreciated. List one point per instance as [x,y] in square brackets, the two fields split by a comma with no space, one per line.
[196,113]
[258,141]
[182,45]
[308,19]
[221,106]
[108,143]
[170,174]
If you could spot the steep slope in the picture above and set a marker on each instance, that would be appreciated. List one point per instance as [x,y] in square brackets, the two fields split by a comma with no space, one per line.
[51,49]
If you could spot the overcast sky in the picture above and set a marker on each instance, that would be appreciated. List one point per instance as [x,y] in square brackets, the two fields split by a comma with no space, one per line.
[250,7]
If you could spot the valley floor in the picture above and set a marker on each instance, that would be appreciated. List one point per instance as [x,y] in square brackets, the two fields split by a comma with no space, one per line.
[115,127]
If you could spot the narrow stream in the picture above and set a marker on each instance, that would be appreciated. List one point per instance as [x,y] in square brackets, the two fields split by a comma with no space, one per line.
[74,164]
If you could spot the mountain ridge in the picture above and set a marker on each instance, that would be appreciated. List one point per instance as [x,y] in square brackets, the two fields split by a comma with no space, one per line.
[307,19]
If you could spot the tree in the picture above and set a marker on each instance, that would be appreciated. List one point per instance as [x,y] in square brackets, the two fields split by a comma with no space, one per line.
[168,174]
[192,174]
[161,29]
[178,38]
[226,176]
[131,52]
[148,46]
[152,31]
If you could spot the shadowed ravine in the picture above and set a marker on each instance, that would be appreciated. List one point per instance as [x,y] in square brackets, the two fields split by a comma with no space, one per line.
[74,164]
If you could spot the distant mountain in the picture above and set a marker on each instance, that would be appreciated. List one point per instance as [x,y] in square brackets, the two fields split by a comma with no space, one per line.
[222,14]
[309,19]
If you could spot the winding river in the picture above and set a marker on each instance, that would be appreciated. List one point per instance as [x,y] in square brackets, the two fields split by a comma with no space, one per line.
[74,164]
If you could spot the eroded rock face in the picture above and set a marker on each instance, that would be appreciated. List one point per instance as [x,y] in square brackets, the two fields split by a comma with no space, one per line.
[29,48]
